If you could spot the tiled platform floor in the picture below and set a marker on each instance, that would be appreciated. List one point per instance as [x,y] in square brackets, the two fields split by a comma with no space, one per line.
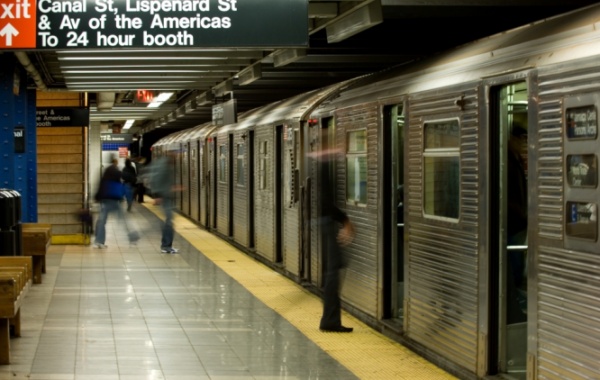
[133,313]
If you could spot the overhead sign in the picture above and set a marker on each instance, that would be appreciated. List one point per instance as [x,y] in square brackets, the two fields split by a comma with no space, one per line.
[116,138]
[225,113]
[62,117]
[85,24]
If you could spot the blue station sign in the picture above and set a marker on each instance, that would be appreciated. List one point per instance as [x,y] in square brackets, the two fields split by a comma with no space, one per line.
[85,24]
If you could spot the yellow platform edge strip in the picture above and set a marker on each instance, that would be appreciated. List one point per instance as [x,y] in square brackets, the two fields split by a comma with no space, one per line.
[365,352]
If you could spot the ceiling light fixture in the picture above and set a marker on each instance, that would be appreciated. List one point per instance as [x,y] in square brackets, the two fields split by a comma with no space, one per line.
[160,99]
[355,22]
[250,74]
[223,88]
[128,124]
[284,57]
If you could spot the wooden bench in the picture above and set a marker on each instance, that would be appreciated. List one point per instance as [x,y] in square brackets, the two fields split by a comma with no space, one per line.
[36,240]
[16,275]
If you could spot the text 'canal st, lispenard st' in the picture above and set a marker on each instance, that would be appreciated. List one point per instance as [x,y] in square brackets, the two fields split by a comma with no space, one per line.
[153,23]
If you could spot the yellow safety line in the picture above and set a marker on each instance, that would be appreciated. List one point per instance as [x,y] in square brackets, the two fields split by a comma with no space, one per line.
[365,352]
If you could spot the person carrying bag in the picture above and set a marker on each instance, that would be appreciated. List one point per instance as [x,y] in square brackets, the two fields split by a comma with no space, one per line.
[110,194]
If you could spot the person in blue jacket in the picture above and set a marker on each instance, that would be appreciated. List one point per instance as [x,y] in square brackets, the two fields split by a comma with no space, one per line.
[109,194]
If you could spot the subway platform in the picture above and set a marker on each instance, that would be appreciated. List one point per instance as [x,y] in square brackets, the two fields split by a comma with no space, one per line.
[209,312]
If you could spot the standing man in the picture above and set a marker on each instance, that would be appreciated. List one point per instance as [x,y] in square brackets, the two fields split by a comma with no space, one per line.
[163,191]
[332,238]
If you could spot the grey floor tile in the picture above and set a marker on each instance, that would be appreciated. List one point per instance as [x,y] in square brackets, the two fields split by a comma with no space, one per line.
[132,313]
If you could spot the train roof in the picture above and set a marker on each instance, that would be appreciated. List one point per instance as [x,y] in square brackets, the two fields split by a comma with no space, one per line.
[569,36]
[295,108]
[565,37]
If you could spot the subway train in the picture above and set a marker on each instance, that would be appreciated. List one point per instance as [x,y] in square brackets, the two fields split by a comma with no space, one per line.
[471,178]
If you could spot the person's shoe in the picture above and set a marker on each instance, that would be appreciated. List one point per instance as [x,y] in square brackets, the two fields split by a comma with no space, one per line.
[99,246]
[342,329]
[169,250]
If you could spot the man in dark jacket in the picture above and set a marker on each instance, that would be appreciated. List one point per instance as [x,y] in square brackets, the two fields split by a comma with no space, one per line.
[130,181]
[110,194]
[332,238]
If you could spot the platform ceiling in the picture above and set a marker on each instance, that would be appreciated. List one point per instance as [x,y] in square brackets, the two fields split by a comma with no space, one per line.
[410,30]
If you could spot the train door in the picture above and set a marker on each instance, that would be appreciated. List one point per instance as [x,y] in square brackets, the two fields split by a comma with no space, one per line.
[185,178]
[279,189]
[251,197]
[230,184]
[508,229]
[194,181]
[214,183]
[393,214]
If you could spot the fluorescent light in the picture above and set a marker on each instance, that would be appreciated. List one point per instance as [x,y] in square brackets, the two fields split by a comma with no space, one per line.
[128,124]
[160,99]
[163,97]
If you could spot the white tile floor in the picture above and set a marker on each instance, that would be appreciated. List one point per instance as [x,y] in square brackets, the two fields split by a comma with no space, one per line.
[133,313]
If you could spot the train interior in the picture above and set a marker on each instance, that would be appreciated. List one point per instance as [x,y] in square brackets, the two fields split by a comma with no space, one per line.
[508,269]
[394,235]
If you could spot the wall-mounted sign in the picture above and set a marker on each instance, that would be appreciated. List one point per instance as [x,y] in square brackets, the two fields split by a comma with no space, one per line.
[123,152]
[88,24]
[19,133]
[62,117]
[116,138]
[225,113]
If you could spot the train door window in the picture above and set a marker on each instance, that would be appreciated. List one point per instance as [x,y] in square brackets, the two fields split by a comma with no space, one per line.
[441,168]
[356,164]
[290,172]
[222,163]
[262,169]
[241,165]
[193,164]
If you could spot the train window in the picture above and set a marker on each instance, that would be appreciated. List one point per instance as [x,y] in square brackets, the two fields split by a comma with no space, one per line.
[222,162]
[241,165]
[262,168]
[193,164]
[582,123]
[441,168]
[356,164]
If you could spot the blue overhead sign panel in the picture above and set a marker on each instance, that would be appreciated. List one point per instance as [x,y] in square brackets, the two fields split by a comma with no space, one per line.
[85,24]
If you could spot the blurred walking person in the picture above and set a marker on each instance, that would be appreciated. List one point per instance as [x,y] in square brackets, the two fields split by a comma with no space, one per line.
[110,194]
[337,231]
[163,191]
[129,176]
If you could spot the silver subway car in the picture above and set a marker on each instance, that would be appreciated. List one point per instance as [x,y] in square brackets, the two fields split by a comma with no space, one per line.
[472,180]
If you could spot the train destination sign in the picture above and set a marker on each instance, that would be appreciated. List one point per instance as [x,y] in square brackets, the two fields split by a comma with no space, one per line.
[85,24]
